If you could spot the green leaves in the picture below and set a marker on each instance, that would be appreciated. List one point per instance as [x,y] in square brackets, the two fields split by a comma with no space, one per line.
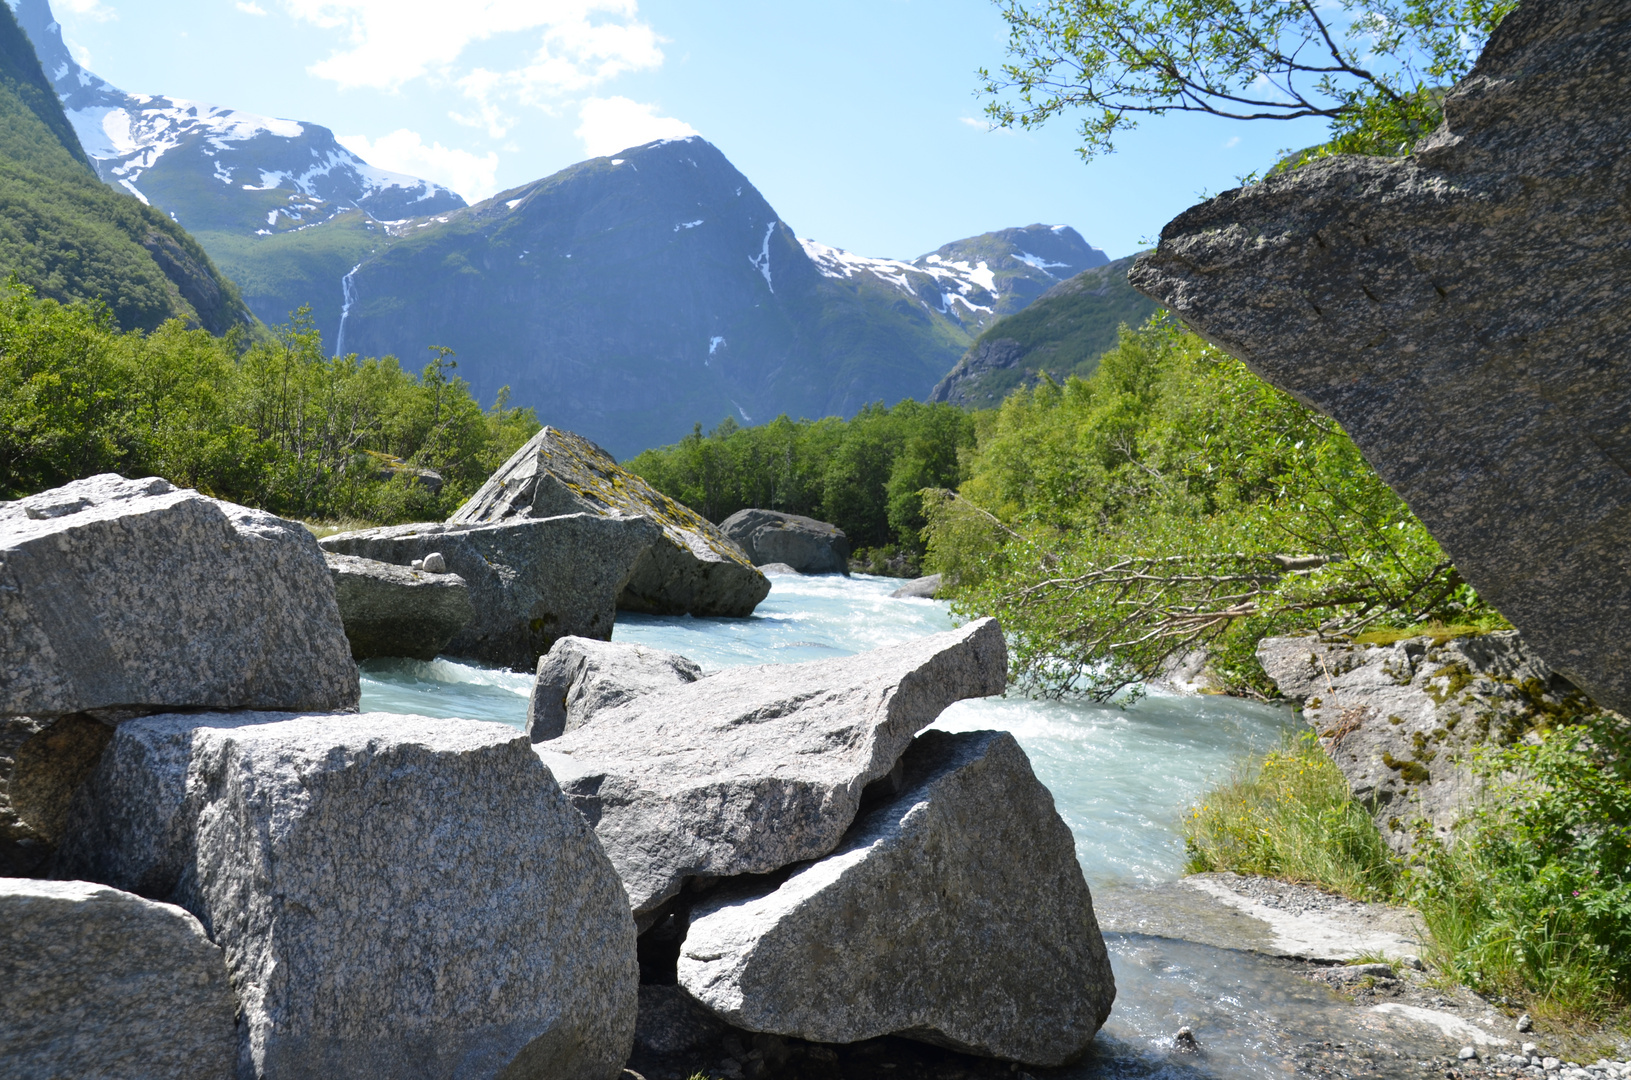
[1369,66]
[1170,502]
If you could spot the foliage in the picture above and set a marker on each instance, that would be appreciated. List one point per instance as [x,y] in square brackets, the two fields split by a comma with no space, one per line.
[278,424]
[1174,500]
[1370,67]
[864,475]
[1533,900]
[1290,816]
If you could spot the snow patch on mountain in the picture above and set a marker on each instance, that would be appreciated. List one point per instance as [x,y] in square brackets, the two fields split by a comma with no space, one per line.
[1037,262]
[952,281]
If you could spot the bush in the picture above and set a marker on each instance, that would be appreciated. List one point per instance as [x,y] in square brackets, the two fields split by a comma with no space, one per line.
[1290,816]
[277,424]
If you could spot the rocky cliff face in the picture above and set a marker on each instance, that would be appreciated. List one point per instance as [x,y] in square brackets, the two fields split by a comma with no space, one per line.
[1462,313]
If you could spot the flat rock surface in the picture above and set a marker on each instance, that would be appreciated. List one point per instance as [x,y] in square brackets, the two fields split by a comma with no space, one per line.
[1404,721]
[1307,924]
[693,569]
[391,610]
[579,677]
[118,592]
[1463,313]
[395,895]
[532,581]
[954,912]
[754,768]
[95,982]
[924,588]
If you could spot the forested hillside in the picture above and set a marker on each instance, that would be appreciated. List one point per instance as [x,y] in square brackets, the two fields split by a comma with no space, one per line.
[68,236]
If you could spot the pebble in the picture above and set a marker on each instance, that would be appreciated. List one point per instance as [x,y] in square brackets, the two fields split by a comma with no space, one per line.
[1525,1023]
[435,564]
[1467,1053]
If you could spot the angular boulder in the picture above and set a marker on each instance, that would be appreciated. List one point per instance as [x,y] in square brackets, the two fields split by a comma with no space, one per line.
[1465,313]
[98,982]
[135,593]
[693,569]
[754,768]
[531,581]
[955,913]
[395,895]
[391,610]
[1405,721]
[579,677]
[807,545]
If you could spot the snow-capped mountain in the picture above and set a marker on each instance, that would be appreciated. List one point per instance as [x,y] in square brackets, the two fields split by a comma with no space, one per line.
[214,168]
[630,297]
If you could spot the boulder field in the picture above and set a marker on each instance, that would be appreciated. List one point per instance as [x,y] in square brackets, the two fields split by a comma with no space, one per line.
[694,568]
[278,893]
[1461,312]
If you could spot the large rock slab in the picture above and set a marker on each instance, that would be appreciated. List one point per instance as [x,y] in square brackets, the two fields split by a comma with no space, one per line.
[531,581]
[391,610]
[754,768]
[1465,314]
[95,982]
[579,677]
[136,593]
[395,895]
[1404,721]
[807,545]
[955,913]
[694,569]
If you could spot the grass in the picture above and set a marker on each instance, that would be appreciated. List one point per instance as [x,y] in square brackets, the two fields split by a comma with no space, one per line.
[1290,816]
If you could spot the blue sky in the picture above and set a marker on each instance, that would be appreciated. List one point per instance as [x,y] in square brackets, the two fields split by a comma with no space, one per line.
[857,119]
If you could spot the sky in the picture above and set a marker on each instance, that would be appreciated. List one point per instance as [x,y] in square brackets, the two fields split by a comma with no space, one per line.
[858,120]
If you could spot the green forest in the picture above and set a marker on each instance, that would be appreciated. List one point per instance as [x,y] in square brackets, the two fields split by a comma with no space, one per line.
[274,423]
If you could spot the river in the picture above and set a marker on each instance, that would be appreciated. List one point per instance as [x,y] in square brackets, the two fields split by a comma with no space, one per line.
[1122,778]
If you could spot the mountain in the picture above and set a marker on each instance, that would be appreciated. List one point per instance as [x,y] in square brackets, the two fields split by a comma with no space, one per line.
[1063,332]
[247,187]
[1024,263]
[69,236]
[631,297]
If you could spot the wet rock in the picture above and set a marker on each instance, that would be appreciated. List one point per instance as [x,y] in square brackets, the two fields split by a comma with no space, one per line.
[1403,721]
[580,677]
[391,610]
[924,588]
[915,924]
[532,581]
[807,545]
[693,568]
[118,592]
[775,569]
[95,982]
[395,895]
[754,768]
[1462,312]
[1185,1042]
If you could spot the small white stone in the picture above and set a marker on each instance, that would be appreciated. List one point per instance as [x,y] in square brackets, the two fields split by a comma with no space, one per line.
[435,564]
[417,564]
[1550,1064]
[1467,1053]
[1529,1049]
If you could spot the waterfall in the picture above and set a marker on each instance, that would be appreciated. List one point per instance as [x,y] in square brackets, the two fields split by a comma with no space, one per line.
[348,295]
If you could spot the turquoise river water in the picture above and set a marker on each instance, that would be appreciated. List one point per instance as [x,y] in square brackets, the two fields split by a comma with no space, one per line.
[1122,778]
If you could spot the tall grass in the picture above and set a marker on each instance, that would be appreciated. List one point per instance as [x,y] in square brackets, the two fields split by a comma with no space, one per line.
[1290,816]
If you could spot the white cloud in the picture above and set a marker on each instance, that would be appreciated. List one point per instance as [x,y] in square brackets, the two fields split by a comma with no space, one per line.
[581,43]
[251,8]
[404,151]
[616,123]
[1234,141]
[972,122]
[88,9]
